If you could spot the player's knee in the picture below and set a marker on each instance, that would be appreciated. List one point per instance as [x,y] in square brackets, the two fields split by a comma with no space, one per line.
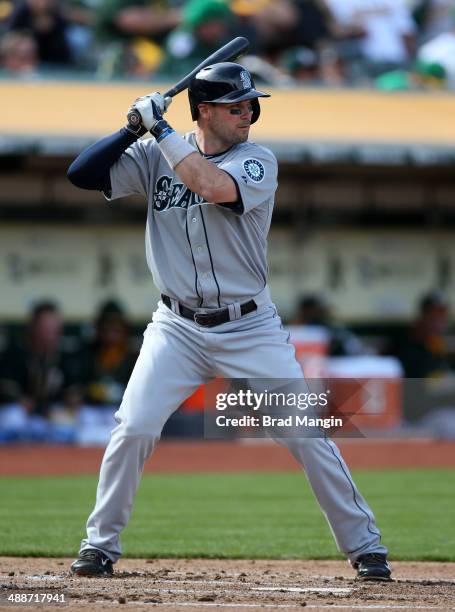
[148,428]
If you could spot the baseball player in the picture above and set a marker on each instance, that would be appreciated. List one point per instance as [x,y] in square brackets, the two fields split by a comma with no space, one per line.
[210,197]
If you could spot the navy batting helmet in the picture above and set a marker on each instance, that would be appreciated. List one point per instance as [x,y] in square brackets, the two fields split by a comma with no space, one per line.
[224,83]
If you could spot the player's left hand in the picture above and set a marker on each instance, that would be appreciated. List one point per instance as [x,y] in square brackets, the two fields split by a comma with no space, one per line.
[159,127]
[150,108]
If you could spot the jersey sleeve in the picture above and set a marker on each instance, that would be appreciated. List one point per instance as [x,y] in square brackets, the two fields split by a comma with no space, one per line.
[130,175]
[255,172]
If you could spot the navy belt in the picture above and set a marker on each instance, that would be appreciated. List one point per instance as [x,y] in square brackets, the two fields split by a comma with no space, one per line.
[209,319]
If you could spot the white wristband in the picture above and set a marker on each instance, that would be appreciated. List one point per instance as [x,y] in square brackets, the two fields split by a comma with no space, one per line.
[175,149]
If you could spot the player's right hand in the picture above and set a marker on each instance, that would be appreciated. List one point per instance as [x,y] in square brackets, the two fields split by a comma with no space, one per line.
[141,116]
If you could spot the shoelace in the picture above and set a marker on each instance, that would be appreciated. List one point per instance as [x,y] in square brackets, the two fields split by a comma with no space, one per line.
[373,558]
[90,553]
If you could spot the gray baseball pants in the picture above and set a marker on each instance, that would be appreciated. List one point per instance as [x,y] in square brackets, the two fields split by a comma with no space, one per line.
[176,357]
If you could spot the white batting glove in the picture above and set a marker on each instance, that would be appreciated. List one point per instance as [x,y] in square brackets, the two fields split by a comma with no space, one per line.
[141,115]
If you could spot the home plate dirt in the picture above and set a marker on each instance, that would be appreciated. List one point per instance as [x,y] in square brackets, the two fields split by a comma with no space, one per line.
[197,584]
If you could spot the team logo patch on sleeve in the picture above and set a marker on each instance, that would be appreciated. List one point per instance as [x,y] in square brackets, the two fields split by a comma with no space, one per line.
[254,169]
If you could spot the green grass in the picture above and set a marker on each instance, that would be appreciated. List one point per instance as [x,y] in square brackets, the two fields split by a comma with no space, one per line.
[230,515]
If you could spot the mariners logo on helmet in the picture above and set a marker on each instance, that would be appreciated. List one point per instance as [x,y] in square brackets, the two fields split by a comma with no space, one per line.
[254,169]
[246,79]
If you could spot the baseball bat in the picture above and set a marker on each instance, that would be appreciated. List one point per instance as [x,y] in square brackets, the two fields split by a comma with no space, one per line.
[226,53]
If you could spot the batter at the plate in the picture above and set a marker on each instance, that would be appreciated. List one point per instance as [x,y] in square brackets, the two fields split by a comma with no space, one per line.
[210,198]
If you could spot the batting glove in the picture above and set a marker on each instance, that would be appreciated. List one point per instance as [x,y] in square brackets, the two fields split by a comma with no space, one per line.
[146,111]
[159,128]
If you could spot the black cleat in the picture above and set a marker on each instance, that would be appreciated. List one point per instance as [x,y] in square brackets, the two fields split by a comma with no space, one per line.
[373,566]
[92,562]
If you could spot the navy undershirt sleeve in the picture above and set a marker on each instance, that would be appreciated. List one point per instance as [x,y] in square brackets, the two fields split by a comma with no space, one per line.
[236,206]
[91,169]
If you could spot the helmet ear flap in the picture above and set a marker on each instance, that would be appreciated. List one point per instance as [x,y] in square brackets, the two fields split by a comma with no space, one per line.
[256,110]
[193,107]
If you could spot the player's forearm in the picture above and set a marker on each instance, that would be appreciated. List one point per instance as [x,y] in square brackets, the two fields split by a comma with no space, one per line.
[203,177]
[200,175]
[91,169]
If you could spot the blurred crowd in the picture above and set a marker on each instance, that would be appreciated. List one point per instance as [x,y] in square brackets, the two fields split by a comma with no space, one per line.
[51,392]
[389,44]
[57,388]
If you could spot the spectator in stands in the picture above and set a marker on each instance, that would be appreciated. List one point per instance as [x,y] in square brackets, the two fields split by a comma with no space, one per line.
[441,50]
[44,20]
[108,363]
[244,12]
[80,15]
[314,23]
[302,64]
[275,23]
[18,53]
[277,26]
[302,37]
[420,76]
[132,35]
[124,19]
[429,392]
[206,25]
[314,310]
[424,353]
[6,8]
[388,33]
[433,17]
[39,390]
[319,45]
[294,35]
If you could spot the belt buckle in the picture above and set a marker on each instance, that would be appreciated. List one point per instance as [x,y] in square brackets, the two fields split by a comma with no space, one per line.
[205,318]
[197,314]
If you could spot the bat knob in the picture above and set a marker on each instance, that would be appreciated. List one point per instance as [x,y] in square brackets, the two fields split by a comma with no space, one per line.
[134,124]
[134,117]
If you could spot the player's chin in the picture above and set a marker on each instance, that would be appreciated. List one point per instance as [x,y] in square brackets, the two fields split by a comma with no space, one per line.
[243,133]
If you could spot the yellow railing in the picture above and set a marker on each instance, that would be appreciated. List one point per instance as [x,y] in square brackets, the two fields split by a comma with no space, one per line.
[77,108]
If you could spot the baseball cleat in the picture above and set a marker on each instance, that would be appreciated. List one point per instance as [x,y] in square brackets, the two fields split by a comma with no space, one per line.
[373,566]
[92,562]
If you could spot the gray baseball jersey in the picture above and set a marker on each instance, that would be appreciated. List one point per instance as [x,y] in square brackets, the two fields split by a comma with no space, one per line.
[200,254]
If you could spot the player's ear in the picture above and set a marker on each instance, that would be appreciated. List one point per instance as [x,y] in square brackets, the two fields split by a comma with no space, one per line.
[204,110]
